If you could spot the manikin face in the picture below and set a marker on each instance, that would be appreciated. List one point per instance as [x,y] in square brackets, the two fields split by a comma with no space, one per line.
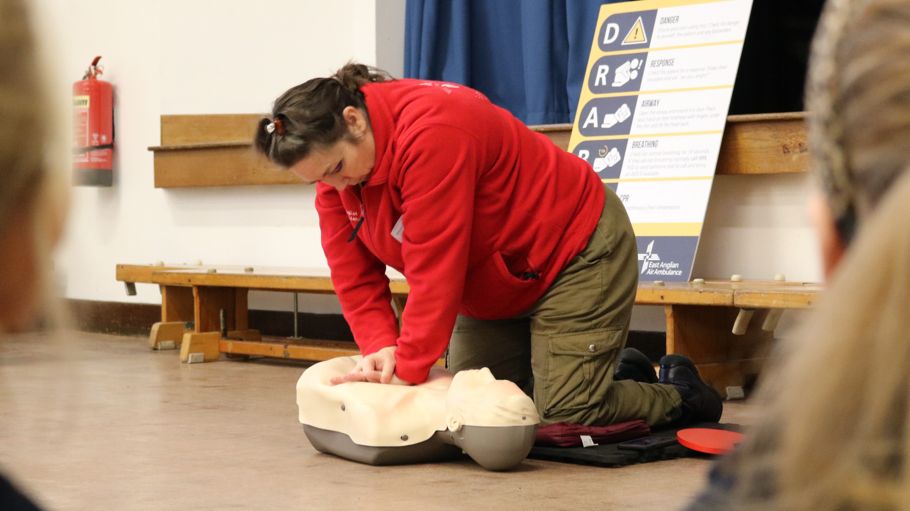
[476,398]
[348,162]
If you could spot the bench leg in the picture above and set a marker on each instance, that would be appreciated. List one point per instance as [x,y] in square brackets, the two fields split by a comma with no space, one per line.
[705,335]
[176,304]
[208,302]
[200,347]
[166,335]
[176,312]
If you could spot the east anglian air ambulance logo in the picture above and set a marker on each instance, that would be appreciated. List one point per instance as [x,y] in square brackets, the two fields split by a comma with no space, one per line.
[648,257]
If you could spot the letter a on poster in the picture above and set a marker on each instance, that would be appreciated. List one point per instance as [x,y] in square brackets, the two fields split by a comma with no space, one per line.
[651,117]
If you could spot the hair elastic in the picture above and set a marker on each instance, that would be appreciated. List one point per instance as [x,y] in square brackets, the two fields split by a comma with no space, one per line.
[275,126]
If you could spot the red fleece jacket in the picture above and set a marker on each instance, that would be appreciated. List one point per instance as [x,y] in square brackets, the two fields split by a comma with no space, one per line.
[489,212]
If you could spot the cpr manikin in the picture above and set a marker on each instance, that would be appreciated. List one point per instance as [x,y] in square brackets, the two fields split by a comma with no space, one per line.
[491,420]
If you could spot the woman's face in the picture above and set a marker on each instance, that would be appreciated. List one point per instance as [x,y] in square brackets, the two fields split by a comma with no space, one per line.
[831,246]
[19,293]
[345,163]
[34,228]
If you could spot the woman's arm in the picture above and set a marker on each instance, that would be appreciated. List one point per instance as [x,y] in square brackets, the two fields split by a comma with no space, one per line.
[358,277]
[438,178]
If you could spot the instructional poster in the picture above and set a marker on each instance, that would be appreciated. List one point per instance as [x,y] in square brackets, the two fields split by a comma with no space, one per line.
[651,117]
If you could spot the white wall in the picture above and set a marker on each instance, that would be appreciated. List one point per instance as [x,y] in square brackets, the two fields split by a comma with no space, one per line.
[236,56]
[191,57]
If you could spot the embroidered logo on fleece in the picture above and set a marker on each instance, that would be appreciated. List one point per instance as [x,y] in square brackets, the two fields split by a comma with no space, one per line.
[448,88]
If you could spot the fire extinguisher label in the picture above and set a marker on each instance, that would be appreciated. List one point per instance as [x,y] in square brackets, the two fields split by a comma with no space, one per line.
[81,125]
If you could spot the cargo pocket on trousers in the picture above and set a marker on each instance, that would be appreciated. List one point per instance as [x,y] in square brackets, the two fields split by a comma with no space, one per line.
[579,369]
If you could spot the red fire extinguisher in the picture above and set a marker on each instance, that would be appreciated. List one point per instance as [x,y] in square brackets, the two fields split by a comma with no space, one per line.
[93,128]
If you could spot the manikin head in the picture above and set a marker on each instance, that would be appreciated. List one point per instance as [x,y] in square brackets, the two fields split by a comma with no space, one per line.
[491,420]
[476,398]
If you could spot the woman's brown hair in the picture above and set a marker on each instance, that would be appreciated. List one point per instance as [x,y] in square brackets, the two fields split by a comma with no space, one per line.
[309,115]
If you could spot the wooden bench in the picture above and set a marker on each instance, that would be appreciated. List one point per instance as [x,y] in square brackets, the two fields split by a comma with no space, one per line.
[204,310]
[726,327]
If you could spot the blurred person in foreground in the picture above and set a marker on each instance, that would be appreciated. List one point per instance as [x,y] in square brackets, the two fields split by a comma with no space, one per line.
[32,193]
[834,432]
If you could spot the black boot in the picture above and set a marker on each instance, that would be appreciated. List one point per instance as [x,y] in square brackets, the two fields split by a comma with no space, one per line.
[634,365]
[700,402]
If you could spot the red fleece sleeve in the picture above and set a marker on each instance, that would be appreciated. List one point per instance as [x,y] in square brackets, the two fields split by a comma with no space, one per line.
[358,277]
[439,170]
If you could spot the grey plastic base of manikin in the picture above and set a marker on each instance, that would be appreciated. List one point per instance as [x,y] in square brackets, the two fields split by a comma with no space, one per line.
[493,448]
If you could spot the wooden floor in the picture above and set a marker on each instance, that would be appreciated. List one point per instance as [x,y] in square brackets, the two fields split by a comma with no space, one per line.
[91,422]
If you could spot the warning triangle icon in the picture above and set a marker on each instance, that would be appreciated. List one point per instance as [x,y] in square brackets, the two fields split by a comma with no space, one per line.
[637,34]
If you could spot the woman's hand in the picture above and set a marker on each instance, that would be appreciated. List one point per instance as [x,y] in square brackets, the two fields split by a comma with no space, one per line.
[376,367]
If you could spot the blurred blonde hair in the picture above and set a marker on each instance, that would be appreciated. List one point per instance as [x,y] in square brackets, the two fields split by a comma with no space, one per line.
[32,187]
[21,160]
[835,428]
[835,433]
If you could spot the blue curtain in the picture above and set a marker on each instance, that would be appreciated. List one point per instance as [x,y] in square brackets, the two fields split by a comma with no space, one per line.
[528,56]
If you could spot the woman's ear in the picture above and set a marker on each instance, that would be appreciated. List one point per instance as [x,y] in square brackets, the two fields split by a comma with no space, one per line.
[355,120]
[831,244]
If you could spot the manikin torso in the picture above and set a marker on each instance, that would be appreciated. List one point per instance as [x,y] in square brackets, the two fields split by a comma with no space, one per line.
[493,421]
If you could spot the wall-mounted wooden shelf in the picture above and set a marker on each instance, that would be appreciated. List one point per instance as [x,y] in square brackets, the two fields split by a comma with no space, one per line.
[216,150]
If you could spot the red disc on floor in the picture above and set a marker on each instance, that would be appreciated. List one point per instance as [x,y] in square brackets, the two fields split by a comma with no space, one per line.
[709,441]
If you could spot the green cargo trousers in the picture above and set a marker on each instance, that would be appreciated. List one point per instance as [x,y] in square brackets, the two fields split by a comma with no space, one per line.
[567,345]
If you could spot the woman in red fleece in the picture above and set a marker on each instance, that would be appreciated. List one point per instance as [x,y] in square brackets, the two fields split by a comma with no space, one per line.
[517,257]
